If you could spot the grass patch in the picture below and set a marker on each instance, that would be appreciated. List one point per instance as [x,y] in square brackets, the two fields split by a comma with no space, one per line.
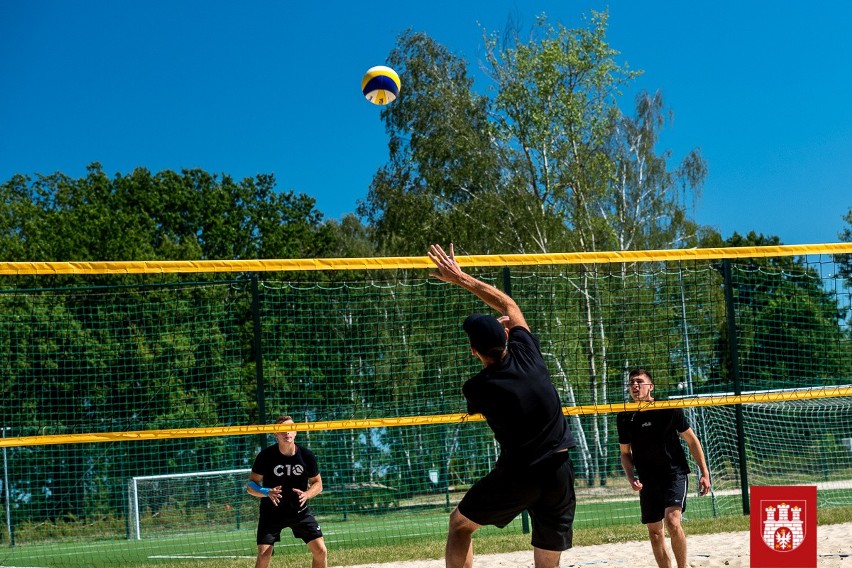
[418,547]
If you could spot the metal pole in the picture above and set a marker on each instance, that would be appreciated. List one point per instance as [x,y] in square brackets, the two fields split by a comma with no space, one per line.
[8,494]
[134,491]
[507,288]
[258,352]
[735,375]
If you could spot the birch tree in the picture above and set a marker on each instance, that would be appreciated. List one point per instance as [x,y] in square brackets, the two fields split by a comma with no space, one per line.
[545,162]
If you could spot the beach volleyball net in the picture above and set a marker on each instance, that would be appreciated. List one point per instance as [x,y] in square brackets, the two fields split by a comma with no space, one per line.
[136,395]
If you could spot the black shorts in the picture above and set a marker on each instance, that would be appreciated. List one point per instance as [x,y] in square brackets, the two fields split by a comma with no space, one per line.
[545,489]
[661,492]
[304,527]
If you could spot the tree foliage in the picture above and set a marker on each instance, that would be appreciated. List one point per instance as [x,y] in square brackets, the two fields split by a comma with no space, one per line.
[845,261]
[788,331]
[441,150]
[547,163]
[164,216]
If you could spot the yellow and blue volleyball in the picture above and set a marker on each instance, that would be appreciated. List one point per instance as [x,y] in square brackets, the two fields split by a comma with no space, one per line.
[380,85]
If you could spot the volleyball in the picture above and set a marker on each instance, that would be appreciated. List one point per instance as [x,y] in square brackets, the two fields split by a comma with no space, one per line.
[380,85]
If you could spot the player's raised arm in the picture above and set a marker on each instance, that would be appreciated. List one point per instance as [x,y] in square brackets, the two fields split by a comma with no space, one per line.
[450,271]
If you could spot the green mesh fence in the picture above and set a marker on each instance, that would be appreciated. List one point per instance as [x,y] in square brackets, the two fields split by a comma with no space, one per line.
[387,344]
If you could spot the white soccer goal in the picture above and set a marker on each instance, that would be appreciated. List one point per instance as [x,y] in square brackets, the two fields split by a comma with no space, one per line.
[786,443]
[212,500]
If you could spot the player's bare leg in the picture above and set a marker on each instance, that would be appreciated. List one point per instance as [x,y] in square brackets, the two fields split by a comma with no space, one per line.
[320,553]
[264,555]
[546,558]
[459,552]
[658,544]
[676,534]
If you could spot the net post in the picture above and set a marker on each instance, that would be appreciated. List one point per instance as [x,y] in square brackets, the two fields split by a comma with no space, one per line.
[258,352]
[507,288]
[730,311]
[7,493]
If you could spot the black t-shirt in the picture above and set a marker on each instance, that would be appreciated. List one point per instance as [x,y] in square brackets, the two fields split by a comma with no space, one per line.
[520,404]
[290,472]
[654,440]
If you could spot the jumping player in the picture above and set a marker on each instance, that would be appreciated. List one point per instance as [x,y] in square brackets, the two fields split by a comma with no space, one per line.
[514,393]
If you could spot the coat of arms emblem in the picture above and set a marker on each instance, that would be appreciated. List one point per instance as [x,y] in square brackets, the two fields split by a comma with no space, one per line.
[783,524]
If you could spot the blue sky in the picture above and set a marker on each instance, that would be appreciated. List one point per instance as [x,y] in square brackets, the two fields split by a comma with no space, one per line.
[273,86]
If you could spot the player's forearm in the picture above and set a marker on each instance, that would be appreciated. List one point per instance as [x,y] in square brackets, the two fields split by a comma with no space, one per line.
[256,490]
[498,300]
[698,456]
[314,489]
[627,466]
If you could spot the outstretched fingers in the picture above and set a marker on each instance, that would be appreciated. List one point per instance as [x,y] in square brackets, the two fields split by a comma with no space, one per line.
[446,263]
[438,255]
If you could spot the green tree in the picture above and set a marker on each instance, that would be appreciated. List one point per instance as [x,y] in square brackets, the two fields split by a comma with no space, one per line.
[442,154]
[788,324]
[164,216]
[547,163]
[144,357]
[845,260]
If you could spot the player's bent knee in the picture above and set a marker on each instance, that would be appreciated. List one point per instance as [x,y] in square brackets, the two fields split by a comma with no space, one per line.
[672,518]
[318,548]
[546,558]
[264,551]
[655,530]
[461,524]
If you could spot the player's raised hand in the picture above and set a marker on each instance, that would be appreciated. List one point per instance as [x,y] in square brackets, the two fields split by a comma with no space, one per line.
[448,269]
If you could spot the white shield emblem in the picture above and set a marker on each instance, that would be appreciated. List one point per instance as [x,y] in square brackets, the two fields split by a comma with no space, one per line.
[783,524]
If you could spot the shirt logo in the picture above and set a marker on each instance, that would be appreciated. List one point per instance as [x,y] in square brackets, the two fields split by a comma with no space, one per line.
[297,469]
[646,424]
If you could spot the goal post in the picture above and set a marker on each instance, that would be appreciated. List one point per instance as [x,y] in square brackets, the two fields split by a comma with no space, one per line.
[215,500]
[802,441]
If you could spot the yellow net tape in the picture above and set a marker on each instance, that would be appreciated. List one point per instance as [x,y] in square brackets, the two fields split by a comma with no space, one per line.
[413,262]
[716,400]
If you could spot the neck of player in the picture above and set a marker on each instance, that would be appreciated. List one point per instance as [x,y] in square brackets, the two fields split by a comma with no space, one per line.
[287,448]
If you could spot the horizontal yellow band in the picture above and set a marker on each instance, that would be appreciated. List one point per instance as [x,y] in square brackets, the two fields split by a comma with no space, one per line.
[412,262]
[714,400]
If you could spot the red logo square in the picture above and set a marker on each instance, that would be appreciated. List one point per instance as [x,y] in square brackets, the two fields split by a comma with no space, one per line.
[783,526]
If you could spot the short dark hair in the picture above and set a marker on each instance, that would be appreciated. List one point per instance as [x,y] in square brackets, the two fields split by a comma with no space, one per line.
[284,418]
[638,372]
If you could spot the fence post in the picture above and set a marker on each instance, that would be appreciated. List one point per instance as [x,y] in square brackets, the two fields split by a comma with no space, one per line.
[733,353]
[507,288]
[7,492]
[258,353]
